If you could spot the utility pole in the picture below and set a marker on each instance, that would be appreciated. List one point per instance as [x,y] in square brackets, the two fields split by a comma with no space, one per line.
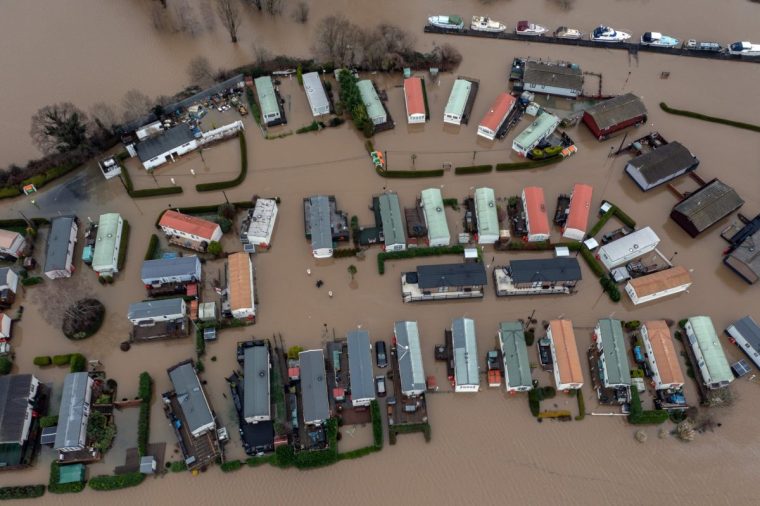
[225,197]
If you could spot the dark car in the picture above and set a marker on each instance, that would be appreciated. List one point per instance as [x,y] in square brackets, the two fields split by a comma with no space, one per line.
[380,355]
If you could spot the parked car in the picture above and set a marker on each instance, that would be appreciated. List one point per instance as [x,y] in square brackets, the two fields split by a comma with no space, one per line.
[380,355]
[380,386]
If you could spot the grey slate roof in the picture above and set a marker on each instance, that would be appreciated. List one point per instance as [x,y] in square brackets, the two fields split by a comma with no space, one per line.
[515,353]
[617,110]
[749,330]
[256,375]
[437,276]
[313,386]
[4,275]
[552,74]
[662,164]
[745,258]
[154,308]
[411,372]
[190,395]
[319,222]
[166,267]
[390,214]
[360,365]
[14,400]
[72,410]
[708,205]
[545,269]
[58,242]
[465,346]
[613,346]
[166,141]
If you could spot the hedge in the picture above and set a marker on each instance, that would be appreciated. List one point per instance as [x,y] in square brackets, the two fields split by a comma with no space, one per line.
[533,402]
[611,288]
[115,482]
[48,421]
[639,416]
[473,169]
[452,203]
[253,106]
[21,492]
[408,428]
[78,363]
[6,364]
[231,465]
[425,99]
[581,405]
[408,174]
[311,127]
[345,252]
[712,119]
[152,247]
[377,424]
[19,223]
[612,211]
[148,192]
[145,393]
[62,359]
[534,164]
[123,245]
[9,192]
[221,185]
[42,361]
[384,256]
[178,466]
[358,453]
[62,488]
[592,262]
[31,281]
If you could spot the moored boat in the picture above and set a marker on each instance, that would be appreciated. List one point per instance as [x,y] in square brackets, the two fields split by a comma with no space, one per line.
[657,39]
[564,32]
[447,22]
[696,45]
[604,33]
[486,24]
[530,29]
[744,49]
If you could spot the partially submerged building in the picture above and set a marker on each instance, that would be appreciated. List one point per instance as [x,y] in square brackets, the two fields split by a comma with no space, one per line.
[74,413]
[360,370]
[240,300]
[465,352]
[577,217]
[324,224]
[269,102]
[615,114]
[658,285]
[59,251]
[538,276]
[457,103]
[515,355]
[166,271]
[746,332]
[19,398]
[613,361]
[542,127]
[714,370]
[167,146]
[12,244]
[744,258]
[661,355]
[8,286]
[414,99]
[435,217]
[256,391]
[444,281]
[564,350]
[258,226]
[158,319]
[705,207]
[389,209]
[409,355]
[105,259]
[661,165]
[547,78]
[496,116]
[316,409]
[315,94]
[627,248]
[375,109]
[487,218]
[536,219]
[189,231]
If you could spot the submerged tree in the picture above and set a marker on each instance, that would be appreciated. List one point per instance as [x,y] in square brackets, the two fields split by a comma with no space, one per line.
[59,127]
[338,40]
[199,71]
[136,104]
[352,271]
[229,15]
[273,7]
[301,12]
[103,116]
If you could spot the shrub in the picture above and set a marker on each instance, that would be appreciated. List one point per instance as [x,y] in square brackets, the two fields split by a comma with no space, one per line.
[62,488]
[611,288]
[21,492]
[473,169]
[452,203]
[61,359]
[345,252]
[123,245]
[285,456]
[534,164]
[150,254]
[42,361]
[231,465]
[155,192]
[581,405]
[384,256]
[602,221]
[712,119]
[257,461]
[530,337]
[200,343]
[682,323]
[145,392]
[633,324]
[84,318]
[369,146]
[224,223]
[100,430]
[178,466]
[48,421]
[253,106]
[639,416]
[108,482]
[221,185]
[31,281]
[592,262]
[214,248]
[299,75]
[78,363]
[534,402]
[6,364]
[293,352]
[311,127]
[377,424]
[409,174]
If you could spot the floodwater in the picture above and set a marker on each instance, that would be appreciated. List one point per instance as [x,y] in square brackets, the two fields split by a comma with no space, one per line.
[485,446]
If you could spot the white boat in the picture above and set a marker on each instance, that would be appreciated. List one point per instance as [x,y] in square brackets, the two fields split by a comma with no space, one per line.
[657,39]
[563,32]
[486,24]
[447,22]
[744,49]
[604,33]
[530,29]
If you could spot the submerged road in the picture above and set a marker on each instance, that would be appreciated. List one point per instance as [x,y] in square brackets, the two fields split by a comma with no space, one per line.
[631,47]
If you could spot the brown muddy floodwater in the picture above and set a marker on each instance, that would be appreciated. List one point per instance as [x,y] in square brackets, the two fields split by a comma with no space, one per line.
[485,447]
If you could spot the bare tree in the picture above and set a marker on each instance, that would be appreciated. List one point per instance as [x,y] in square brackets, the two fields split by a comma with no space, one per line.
[338,40]
[448,56]
[564,4]
[136,104]
[200,72]
[163,3]
[260,54]
[207,15]
[229,14]
[59,127]
[387,47]
[160,18]
[273,7]
[104,116]
[185,20]
[255,3]
[301,12]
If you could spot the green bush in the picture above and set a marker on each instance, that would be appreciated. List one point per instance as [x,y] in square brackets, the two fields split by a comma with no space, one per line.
[221,185]
[231,465]
[123,245]
[100,430]
[224,224]
[712,119]
[155,192]
[473,169]
[530,337]
[534,164]
[115,482]
[6,364]
[534,402]
[611,288]
[150,254]
[30,281]
[369,146]
[42,361]
[60,360]
[266,459]
[9,192]
[581,405]
[345,252]
[178,466]
[602,221]
[48,421]
[377,424]
[21,492]
[682,323]
[409,174]
[452,203]
[311,127]
[252,105]
[530,246]
[639,416]
[384,256]
[145,393]
[358,453]
[78,363]
[632,324]
[596,267]
[299,75]
[62,488]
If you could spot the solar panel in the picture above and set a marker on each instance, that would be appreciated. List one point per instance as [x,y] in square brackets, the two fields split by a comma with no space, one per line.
[740,368]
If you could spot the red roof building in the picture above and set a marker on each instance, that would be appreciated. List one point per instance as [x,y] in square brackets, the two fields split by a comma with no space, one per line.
[189,227]
[496,116]
[536,218]
[577,219]
[415,100]
[615,114]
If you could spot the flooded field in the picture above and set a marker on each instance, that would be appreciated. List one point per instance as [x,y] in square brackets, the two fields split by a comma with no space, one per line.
[486,445]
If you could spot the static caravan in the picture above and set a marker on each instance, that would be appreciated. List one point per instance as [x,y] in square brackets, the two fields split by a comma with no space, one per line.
[465,344]
[457,103]
[414,99]
[628,248]
[496,116]
[577,218]
[485,212]
[564,350]
[661,355]
[536,218]
[435,217]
